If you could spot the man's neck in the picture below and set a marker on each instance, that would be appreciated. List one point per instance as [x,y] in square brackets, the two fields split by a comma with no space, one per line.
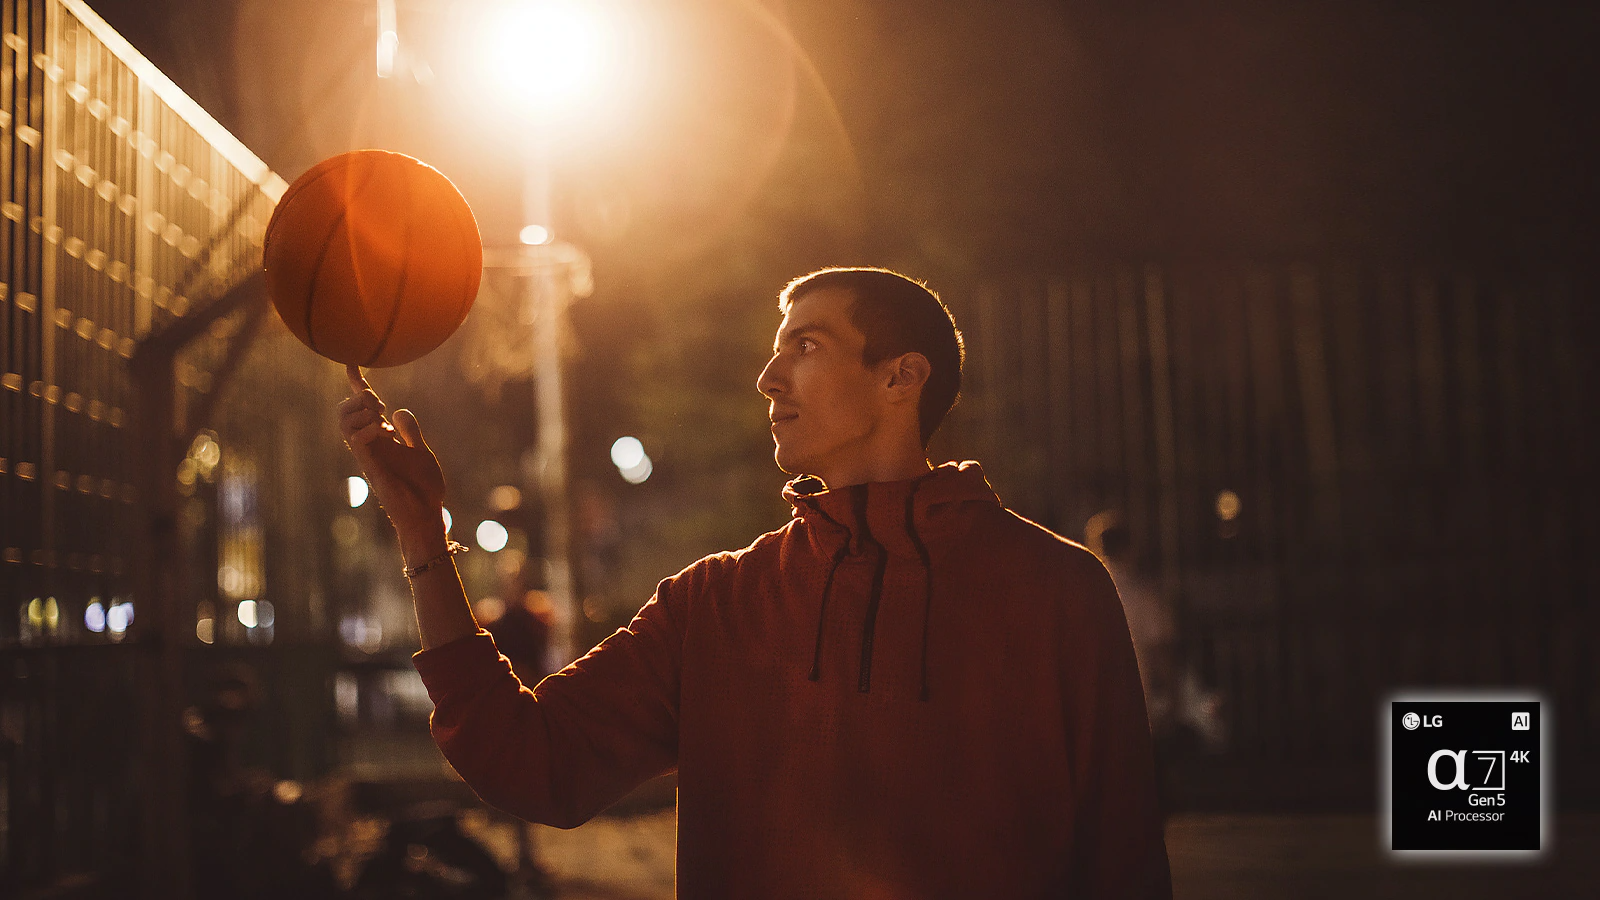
[899,468]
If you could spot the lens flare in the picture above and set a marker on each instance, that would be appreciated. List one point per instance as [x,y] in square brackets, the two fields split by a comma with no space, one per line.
[545,56]
[492,536]
[627,452]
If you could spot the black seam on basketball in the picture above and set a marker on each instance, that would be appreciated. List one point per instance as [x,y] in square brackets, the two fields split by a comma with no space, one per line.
[467,231]
[316,272]
[294,190]
[405,268]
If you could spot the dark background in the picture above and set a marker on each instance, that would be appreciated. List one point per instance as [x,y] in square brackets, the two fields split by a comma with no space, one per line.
[1330,258]
[1004,134]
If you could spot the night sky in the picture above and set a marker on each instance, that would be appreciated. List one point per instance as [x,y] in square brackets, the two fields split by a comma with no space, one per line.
[1001,135]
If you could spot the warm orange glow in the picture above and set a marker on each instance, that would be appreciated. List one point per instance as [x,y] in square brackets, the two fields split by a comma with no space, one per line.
[1227,506]
[388,38]
[546,56]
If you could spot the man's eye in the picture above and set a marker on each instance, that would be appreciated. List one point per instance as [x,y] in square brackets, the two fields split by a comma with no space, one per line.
[806,345]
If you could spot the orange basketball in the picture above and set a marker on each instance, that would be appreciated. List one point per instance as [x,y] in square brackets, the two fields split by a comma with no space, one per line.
[372,258]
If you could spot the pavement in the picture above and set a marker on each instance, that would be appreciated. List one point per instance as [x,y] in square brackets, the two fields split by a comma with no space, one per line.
[1238,857]
[628,853]
[1243,857]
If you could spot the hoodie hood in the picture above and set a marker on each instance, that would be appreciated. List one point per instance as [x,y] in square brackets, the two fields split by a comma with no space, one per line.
[884,520]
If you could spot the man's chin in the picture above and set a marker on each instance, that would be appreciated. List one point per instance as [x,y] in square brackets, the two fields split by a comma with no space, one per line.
[787,464]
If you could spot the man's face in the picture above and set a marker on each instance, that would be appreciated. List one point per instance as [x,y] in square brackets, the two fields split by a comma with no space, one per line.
[825,404]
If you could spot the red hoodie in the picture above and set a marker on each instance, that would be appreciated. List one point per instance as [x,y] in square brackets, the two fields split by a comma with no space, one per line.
[906,691]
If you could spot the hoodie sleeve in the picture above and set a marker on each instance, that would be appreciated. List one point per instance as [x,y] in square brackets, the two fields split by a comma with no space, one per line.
[565,750]
[1119,850]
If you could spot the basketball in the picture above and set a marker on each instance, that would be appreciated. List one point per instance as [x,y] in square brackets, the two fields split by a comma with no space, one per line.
[372,258]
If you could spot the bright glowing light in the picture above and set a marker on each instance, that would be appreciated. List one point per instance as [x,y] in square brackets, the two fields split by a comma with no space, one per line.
[1227,505]
[287,792]
[94,616]
[637,474]
[627,452]
[206,452]
[628,455]
[230,580]
[205,623]
[388,43]
[247,613]
[388,38]
[118,617]
[492,536]
[545,55]
[535,234]
[357,487]
[448,522]
[52,613]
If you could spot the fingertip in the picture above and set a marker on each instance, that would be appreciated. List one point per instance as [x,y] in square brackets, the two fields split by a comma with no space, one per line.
[405,422]
[357,382]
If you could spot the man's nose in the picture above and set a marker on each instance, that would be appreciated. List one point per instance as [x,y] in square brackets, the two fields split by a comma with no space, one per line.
[769,382]
[772,378]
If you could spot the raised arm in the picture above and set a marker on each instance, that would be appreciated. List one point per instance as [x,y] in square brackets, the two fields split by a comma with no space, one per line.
[560,752]
[406,478]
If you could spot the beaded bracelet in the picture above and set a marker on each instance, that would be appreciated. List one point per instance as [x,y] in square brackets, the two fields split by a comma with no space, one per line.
[450,549]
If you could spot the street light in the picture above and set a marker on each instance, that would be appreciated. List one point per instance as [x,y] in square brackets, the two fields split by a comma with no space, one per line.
[548,64]
[546,56]
[548,69]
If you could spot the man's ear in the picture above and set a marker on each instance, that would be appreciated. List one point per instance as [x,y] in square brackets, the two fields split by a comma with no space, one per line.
[908,373]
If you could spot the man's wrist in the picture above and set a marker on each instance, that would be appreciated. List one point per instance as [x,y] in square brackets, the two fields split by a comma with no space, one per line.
[421,553]
[428,565]
[420,544]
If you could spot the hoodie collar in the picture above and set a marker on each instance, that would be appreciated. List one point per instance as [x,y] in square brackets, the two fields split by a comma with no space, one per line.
[891,518]
[876,512]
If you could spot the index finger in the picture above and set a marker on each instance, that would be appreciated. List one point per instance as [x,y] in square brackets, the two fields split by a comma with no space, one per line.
[357,382]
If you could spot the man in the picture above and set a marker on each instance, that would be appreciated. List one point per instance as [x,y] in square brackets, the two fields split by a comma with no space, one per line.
[1149,615]
[906,691]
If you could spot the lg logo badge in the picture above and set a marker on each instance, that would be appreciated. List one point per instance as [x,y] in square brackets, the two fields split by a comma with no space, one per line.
[1467,783]
[1412,721]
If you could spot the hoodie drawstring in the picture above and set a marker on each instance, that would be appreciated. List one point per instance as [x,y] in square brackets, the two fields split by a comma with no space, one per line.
[927,580]
[868,625]
[870,620]
[822,610]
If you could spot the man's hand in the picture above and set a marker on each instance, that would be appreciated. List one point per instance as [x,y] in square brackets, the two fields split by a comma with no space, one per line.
[403,472]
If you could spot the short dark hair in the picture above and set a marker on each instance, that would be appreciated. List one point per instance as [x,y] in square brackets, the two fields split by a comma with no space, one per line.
[897,315]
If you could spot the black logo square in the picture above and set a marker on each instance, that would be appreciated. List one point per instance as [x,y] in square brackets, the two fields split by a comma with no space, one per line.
[1464,775]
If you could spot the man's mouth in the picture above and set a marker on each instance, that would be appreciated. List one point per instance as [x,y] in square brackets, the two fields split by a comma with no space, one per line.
[783,416]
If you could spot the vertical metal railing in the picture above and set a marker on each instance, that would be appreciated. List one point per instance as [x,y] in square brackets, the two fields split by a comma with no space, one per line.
[124,208]
[1409,450]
